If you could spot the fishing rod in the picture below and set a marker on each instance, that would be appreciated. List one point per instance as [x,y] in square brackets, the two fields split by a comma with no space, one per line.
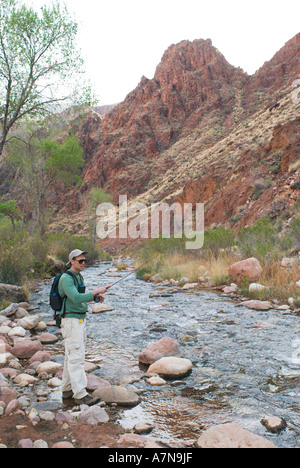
[97,298]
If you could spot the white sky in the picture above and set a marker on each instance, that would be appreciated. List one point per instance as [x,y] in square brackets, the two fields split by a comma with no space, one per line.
[122,40]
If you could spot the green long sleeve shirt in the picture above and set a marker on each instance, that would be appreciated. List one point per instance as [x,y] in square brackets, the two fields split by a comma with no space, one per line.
[76,302]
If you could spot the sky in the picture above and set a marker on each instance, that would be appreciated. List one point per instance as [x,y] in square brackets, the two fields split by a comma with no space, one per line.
[122,40]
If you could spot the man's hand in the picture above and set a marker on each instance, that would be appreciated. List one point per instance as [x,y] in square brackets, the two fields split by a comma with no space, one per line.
[102,290]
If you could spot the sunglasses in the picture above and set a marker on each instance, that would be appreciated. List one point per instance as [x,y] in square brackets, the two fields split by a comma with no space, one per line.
[81,261]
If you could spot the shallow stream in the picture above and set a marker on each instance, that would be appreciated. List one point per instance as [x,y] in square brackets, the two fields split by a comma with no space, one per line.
[246,362]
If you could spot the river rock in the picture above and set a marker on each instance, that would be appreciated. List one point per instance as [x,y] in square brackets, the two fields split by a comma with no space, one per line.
[99,308]
[29,322]
[48,338]
[17,331]
[256,305]
[26,349]
[117,394]
[171,367]
[40,356]
[249,268]
[8,394]
[49,367]
[93,382]
[24,379]
[162,348]
[274,424]
[94,415]
[231,436]
[12,406]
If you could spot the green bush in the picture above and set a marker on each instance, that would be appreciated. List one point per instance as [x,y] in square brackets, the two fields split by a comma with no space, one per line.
[218,239]
[263,242]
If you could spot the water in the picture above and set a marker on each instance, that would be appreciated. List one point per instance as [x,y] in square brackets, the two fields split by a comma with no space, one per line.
[246,362]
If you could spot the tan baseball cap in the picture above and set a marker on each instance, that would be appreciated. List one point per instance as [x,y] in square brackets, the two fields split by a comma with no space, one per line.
[75,253]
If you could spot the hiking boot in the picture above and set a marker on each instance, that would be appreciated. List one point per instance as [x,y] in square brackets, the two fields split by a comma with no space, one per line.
[67,395]
[87,400]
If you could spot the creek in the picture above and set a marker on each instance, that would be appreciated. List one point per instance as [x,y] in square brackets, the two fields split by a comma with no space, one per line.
[246,363]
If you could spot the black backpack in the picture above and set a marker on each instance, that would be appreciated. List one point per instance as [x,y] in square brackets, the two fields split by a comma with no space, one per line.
[57,303]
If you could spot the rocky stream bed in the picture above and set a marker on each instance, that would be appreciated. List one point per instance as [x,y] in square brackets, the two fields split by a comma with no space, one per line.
[244,371]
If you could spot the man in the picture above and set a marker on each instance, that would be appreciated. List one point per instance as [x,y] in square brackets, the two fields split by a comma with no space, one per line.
[71,286]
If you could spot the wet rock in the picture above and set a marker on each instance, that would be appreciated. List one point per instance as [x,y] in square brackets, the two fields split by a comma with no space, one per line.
[93,382]
[274,424]
[117,394]
[99,308]
[156,381]
[231,436]
[143,428]
[256,305]
[171,367]
[93,415]
[162,348]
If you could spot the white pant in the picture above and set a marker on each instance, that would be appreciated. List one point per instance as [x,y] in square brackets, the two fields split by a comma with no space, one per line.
[74,377]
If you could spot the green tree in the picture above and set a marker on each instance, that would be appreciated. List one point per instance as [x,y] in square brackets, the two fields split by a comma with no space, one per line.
[43,166]
[10,210]
[39,63]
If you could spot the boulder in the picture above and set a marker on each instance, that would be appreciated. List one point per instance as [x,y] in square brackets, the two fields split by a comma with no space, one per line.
[231,436]
[249,269]
[29,322]
[26,349]
[162,348]
[171,367]
[117,394]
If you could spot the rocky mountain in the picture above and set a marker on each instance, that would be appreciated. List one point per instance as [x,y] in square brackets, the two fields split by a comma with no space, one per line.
[201,130]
